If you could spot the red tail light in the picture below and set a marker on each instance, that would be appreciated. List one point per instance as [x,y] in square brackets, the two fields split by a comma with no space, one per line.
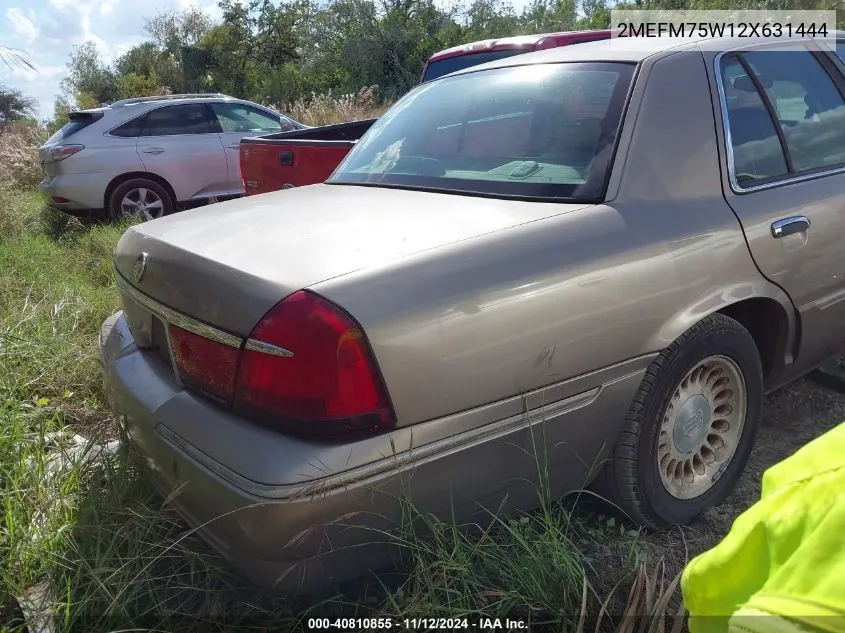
[307,369]
[60,152]
[204,364]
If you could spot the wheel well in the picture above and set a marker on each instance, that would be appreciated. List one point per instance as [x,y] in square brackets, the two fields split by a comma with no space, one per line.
[117,181]
[767,322]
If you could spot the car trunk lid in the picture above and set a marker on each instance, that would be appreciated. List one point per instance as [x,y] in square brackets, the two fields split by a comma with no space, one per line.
[228,264]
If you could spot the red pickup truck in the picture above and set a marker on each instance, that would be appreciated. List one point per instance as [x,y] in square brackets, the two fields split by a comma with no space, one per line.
[306,157]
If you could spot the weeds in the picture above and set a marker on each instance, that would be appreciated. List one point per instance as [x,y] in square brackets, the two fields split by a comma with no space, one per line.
[324,109]
[19,167]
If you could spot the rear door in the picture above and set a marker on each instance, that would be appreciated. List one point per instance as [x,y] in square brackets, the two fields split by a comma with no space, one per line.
[785,114]
[236,121]
[180,143]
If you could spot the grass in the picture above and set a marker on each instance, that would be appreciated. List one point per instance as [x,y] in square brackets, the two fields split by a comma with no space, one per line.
[111,555]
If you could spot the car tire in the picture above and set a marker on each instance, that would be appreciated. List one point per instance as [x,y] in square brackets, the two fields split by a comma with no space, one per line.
[149,198]
[690,409]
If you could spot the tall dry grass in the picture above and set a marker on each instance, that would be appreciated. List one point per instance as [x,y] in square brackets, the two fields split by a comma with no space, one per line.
[329,108]
[19,168]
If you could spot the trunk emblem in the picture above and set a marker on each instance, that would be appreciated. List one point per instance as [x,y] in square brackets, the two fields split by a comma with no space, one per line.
[140,266]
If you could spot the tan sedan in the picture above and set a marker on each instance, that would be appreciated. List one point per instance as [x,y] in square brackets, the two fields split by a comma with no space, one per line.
[594,257]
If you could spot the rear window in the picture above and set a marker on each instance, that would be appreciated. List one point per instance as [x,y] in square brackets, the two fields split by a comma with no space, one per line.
[453,64]
[78,121]
[543,131]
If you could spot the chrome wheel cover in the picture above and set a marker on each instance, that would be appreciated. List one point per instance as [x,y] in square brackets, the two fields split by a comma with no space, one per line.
[701,427]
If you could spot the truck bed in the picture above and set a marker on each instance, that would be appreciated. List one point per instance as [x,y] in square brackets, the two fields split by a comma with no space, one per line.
[300,157]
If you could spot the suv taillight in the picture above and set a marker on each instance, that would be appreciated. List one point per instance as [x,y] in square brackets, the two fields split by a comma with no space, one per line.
[307,369]
[60,152]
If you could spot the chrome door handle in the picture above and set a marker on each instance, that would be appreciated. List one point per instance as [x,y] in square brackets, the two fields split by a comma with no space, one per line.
[788,226]
[153,150]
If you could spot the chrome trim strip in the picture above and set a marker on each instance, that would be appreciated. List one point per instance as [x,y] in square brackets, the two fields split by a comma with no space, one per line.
[726,132]
[254,345]
[176,318]
[830,300]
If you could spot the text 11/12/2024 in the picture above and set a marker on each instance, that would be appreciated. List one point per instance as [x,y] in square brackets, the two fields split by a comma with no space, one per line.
[481,624]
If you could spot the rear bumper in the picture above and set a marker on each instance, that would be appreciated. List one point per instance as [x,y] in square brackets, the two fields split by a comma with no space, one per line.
[82,191]
[319,527]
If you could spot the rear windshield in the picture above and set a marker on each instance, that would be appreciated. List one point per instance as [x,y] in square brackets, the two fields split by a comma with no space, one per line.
[536,131]
[452,64]
[77,122]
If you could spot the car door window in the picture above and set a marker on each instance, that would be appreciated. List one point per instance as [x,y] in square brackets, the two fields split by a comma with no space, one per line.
[178,119]
[757,151]
[239,118]
[130,129]
[807,103]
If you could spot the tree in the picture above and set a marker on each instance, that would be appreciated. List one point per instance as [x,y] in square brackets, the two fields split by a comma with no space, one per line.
[88,74]
[171,30]
[14,106]
[135,85]
[542,16]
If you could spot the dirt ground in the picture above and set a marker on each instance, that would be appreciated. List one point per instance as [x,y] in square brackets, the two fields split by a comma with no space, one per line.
[792,416]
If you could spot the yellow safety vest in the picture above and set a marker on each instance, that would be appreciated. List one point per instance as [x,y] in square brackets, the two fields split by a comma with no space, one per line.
[781,568]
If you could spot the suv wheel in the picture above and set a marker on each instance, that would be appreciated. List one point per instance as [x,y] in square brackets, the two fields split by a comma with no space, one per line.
[141,199]
[690,429]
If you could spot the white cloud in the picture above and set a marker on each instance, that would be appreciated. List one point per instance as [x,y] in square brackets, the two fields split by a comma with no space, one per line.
[21,24]
[106,8]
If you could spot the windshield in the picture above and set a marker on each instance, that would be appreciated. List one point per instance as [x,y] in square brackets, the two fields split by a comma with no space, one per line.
[537,131]
[448,65]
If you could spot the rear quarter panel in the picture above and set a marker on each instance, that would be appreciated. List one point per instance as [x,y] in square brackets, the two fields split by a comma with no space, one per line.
[518,309]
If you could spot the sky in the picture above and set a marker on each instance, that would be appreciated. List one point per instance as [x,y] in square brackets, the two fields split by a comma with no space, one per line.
[47,31]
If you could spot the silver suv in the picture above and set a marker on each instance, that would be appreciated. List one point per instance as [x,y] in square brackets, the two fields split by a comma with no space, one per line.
[149,156]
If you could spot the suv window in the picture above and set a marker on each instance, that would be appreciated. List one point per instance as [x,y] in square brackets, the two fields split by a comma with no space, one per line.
[237,117]
[191,118]
[129,129]
[808,110]
[543,132]
[78,122]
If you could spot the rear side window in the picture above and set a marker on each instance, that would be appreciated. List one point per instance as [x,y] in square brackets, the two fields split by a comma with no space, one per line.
[178,119]
[785,114]
[78,122]
[757,150]
[130,129]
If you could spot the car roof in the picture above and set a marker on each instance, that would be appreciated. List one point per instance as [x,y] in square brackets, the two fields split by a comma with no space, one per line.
[633,50]
[516,42]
